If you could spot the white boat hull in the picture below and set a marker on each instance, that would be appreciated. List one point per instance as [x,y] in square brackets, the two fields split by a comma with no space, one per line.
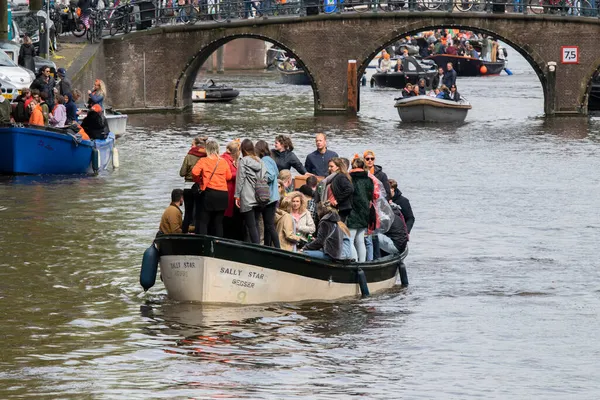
[430,109]
[212,280]
[117,123]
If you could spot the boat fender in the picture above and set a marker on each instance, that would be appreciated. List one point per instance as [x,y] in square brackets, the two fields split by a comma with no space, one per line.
[115,157]
[508,71]
[149,267]
[362,283]
[403,274]
[96,160]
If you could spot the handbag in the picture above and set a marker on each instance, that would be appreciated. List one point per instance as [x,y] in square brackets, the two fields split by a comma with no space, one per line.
[262,192]
[196,187]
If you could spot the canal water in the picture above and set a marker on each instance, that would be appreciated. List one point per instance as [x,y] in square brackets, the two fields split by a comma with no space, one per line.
[503,264]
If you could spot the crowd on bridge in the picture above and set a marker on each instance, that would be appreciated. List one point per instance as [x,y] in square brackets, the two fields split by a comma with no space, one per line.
[335,208]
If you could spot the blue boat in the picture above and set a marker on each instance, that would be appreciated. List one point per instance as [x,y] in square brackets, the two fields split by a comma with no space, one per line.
[40,150]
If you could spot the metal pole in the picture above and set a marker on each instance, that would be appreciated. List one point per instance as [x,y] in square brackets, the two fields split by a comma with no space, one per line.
[47,47]
[144,55]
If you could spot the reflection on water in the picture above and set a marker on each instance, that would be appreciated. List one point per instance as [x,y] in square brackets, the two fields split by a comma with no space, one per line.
[503,298]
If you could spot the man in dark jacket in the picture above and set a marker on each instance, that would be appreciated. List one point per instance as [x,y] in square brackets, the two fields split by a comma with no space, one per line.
[71,107]
[449,76]
[376,170]
[396,238]
[317,162]
[45,84]
[64,86]
[403,204]
[94,124]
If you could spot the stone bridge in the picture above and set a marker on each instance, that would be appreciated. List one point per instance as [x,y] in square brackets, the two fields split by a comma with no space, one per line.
[156,69]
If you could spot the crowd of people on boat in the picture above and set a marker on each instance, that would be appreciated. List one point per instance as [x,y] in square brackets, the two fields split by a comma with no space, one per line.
[443,86]
[336,209]
[51,102]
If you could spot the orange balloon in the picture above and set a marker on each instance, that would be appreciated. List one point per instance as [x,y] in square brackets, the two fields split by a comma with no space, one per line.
[483,70]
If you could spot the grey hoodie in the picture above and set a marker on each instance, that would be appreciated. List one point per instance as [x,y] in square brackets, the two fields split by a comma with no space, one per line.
[249,169]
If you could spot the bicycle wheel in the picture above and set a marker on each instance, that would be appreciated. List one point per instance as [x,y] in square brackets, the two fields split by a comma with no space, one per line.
[536,6]
[584,8]
[433,4]
[80,29]
[463,5]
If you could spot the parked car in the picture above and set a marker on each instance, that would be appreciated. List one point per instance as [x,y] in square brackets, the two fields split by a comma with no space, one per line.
[13,77]
[12,50]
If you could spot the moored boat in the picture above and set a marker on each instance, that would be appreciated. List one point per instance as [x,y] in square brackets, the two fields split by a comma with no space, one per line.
[209,91]
[467,66]
[39,150]
[294,76]
[411,72]
[431,109]
[214,270]
[117,122]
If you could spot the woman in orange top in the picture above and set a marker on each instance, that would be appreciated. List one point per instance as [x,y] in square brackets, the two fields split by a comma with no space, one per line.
[213,172]
[37,117]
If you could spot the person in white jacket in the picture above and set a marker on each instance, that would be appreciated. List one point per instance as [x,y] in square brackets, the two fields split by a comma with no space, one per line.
[302,219]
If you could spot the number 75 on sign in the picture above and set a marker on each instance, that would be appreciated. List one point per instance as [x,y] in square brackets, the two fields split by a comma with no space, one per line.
[570,54]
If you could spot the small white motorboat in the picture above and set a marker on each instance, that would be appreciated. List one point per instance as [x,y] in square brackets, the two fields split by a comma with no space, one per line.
[208,269]
[431,109]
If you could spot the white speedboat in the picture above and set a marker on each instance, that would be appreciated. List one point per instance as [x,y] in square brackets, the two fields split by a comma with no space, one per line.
[431,109]
[208,269]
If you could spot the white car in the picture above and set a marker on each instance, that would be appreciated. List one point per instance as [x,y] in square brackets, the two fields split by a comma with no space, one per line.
[13,77]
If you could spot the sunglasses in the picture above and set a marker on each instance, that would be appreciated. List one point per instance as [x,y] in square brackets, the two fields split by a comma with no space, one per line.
[369,158]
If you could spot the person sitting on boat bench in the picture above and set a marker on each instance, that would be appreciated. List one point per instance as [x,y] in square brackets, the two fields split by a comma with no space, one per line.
[408,91]
[172,218]
[422,87]
[333,236]
[444,93]
[454,95]
[396,238]
[95,124]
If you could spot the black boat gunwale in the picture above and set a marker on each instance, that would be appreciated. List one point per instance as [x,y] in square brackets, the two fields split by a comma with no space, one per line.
[272,258]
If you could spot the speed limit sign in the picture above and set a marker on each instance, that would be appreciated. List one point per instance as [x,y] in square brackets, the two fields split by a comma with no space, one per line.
[570,54]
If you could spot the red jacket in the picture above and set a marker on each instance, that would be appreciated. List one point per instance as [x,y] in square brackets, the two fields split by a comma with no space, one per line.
[230,184]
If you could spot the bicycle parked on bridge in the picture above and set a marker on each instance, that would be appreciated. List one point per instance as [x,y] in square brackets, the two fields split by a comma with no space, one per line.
[98,22]
[582,8]
[122,19]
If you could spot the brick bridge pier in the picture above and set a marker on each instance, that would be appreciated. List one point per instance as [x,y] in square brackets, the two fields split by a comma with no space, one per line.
[156,69]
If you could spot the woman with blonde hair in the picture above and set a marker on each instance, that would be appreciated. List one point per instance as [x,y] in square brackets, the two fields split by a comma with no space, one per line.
[303,220]
[232,221]
[284,225]
[97,95]
[286,177]
[214,173]
[27,54]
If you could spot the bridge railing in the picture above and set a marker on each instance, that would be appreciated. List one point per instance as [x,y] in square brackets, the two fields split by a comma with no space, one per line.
[146,14]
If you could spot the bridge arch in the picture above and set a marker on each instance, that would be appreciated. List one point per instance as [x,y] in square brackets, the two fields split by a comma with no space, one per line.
[535,60]
[592,73]
[323,44]
[185,81]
